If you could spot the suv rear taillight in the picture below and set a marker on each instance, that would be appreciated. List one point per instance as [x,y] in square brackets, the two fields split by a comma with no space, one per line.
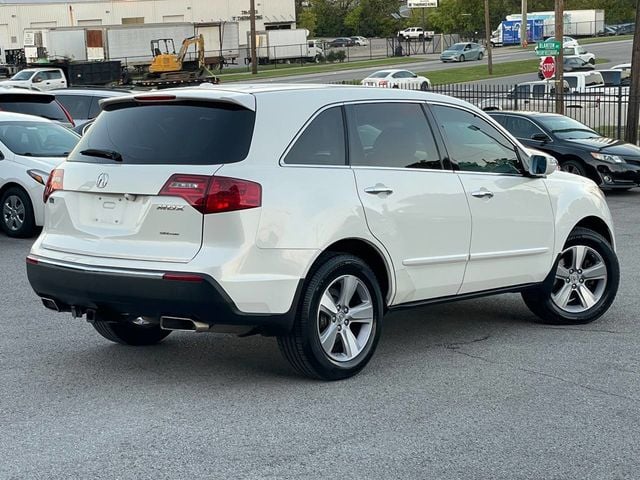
[214,194]
[54,182]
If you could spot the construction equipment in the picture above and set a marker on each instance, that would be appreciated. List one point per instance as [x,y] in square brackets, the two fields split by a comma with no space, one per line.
[169,69]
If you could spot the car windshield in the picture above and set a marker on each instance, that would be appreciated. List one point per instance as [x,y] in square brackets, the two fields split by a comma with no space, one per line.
[37,139]
[567,128]
[381,74]
[457,46]
[23,75]
[43,106]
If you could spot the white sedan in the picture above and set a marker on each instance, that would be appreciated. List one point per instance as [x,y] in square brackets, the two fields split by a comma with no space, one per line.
[30,148]
[397,79]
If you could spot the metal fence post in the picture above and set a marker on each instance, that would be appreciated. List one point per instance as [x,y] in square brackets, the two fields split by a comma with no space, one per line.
[619,126]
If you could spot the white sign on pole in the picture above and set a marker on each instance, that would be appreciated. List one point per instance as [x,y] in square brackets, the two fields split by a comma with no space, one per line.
[422,3]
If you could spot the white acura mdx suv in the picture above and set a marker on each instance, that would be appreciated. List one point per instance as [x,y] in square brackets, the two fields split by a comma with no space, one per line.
[308,212]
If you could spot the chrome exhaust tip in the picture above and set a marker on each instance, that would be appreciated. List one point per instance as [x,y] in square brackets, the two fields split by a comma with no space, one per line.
[184,324]
[51,304]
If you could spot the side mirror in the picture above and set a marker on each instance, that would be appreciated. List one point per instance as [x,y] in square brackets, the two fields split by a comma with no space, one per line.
[37,79]
[540,137]
[542,165]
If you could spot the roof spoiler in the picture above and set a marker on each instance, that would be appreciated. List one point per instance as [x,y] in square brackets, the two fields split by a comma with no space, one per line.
[214,95]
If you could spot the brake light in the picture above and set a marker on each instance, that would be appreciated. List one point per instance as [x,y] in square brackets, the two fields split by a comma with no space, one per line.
[73,124]
[154,98]
[214,194]
[182,277]
[54,182]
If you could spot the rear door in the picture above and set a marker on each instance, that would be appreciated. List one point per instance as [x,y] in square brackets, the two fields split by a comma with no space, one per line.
[414,206]
[118,207]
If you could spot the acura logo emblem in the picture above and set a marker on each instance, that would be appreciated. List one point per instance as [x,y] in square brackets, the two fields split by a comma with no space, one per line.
[102,181]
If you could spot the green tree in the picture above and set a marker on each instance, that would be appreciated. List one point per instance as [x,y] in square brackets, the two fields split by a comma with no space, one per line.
[309,20]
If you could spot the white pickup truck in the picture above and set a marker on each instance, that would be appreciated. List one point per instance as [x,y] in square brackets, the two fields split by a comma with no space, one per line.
[415,33]
[43,79]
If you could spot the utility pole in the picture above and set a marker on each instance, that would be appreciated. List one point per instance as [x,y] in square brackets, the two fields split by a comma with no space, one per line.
[633,114]
[524,38]
[559,34]
[254,53]
[487,36]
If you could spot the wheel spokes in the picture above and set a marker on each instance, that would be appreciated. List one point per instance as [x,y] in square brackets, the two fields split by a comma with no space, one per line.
[350,343]
[587,299]
[328,305]
[349,286]
[563,296]
[597,272]
[579,253]
[362,313]
[328,337]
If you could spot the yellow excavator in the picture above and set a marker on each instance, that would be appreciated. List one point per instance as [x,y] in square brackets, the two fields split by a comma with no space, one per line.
[170,69]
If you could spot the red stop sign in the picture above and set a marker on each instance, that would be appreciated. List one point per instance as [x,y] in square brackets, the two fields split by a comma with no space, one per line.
[548,67]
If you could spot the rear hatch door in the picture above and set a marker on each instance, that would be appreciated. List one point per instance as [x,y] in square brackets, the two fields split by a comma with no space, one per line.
[112,202]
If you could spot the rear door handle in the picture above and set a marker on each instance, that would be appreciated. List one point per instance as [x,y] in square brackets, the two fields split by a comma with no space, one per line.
[482,194]
[379,188]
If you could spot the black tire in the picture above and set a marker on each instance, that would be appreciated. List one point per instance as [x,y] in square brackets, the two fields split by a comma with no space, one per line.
[592,61]
[17,225]
[127,333]
[462,59]
[539,299]
[480,55]
[302,347]
[574,166]
[424,86]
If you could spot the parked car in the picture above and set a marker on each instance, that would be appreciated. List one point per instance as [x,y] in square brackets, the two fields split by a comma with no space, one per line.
[538,96]
[622,66]
[45,105]
[570,64]
[394,78]
[415,33]
[566,41]
[360,41]
[341,42]
[608,31]
[612,164]
[460,52]
[145,234]
[42,79]
[30,147]
[626,29]
[616,78]
[581,53]
[82,103]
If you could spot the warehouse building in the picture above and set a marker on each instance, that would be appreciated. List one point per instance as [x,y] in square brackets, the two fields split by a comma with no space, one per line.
[22,20]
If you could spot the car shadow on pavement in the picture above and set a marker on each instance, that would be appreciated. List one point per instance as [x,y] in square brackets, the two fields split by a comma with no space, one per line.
[186,358]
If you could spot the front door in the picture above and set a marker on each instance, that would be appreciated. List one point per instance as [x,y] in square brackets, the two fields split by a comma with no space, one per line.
[414,207]
[512,219]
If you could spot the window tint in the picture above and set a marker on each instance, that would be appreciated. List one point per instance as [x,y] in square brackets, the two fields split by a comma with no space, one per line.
[322,142]
[521,127]
[181,133]
[392,135]
[94,109]
[538,91]
[521,91]
[40,106]
[474,144]
[37,139]
[53,75]
[76,105]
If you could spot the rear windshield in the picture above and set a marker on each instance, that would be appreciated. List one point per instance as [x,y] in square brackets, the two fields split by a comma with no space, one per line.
[182,133]
[38,105]
[36,139]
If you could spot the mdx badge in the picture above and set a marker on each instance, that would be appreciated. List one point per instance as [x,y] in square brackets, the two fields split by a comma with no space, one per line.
[171,208]
[102,181]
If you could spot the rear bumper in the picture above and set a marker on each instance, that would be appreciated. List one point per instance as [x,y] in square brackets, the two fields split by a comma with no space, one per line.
[148,294]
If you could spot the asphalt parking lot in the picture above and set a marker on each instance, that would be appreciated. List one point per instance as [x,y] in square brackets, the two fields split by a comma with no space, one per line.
[473,390]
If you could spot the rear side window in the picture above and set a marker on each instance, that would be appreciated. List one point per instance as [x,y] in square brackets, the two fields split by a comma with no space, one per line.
[40,106]
[181,133]
[77,105]
[53,75]
[394,135]
[322,142]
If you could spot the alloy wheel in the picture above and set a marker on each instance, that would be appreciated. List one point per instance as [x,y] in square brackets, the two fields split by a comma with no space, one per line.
[581,279]
[345,318]
[13,213]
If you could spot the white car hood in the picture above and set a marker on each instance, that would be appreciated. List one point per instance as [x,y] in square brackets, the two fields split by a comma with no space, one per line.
[46,164]
[15,83]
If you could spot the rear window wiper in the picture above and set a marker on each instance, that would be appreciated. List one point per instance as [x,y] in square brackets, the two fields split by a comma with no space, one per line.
[110,154]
